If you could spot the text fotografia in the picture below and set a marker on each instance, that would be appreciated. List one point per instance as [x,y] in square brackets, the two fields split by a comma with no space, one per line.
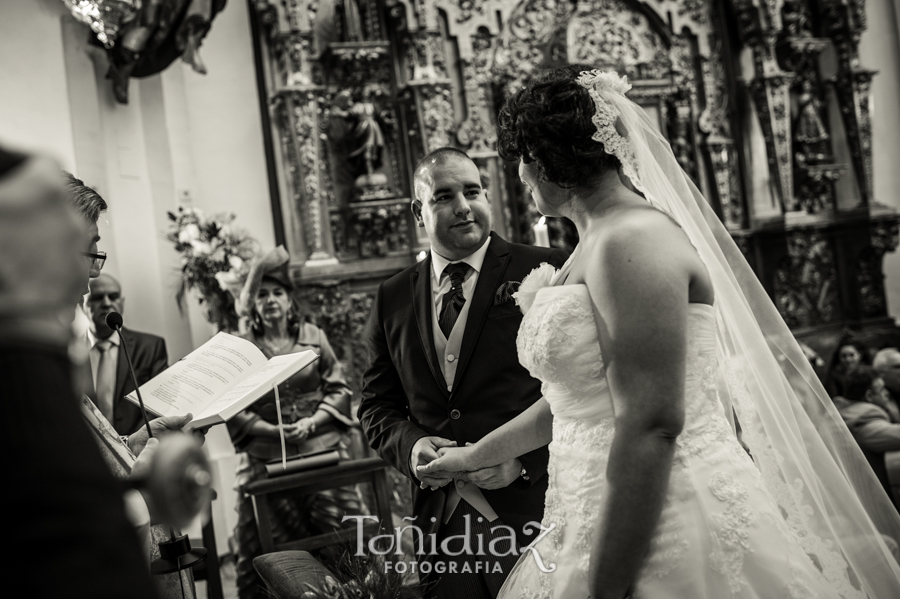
[442,567]
[502,544]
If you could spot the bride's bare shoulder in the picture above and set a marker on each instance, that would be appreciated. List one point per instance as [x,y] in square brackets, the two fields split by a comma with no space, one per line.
[640,228]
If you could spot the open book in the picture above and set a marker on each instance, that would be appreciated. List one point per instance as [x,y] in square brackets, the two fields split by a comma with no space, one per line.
[217,380]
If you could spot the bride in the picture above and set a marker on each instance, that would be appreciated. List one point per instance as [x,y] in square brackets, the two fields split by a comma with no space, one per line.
[649,342]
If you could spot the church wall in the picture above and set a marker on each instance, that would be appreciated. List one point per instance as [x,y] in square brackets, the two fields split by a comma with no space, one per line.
[880,51]
[183,138]
[34,108]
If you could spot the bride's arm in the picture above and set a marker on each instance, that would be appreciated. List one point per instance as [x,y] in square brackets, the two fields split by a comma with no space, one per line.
[640,294]
[528,431]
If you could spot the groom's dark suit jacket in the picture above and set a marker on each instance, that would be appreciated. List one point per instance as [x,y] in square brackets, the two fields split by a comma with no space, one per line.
[405,397]
[148,353]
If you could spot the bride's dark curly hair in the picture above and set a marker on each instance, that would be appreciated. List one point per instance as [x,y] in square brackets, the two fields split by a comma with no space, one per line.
[548,122]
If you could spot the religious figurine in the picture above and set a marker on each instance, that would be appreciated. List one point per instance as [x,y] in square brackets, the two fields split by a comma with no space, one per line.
[357,139]
[810,132]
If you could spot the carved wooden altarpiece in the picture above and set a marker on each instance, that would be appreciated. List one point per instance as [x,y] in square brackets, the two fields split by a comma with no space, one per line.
[755,97]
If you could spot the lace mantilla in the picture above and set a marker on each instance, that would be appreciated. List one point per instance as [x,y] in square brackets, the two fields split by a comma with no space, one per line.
[599,83]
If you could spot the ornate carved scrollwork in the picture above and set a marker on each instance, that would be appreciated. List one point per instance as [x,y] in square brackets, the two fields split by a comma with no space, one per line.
[436,111]
[806,280]
[371,229]
[478,132]
[523,45]
[853,89]
[466,9]
[612,35]
[296,112]
[724,163]
[715,120]
[342,313]
[771,93]
[425,58]
[844,21]
[870,271]
[291,52]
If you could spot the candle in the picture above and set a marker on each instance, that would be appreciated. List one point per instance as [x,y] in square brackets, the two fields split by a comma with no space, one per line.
[541,233]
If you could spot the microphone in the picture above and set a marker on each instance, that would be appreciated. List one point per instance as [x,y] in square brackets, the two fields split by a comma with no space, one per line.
[114,321]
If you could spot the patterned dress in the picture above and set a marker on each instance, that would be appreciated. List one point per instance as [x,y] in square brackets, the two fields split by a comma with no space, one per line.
[321,386]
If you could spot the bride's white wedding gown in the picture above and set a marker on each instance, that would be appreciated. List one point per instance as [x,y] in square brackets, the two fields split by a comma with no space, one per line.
[720,534]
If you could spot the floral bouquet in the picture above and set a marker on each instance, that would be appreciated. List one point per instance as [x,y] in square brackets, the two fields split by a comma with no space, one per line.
[215,260]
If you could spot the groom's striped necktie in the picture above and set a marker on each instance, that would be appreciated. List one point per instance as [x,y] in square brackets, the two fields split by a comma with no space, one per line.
[454,299]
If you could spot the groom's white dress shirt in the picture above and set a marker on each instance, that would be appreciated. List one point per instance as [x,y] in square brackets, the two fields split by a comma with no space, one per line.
[447,349]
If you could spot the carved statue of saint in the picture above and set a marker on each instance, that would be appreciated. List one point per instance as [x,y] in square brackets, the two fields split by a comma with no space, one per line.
[357,139]
[810,131]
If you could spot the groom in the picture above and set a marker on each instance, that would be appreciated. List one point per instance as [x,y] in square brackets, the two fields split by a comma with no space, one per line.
[442,369]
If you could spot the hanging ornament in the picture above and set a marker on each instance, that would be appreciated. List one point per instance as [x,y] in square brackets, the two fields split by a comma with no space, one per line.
[105,17]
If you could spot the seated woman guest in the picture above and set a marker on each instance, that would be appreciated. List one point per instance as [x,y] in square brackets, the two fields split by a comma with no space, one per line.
[315,410]
[849,354]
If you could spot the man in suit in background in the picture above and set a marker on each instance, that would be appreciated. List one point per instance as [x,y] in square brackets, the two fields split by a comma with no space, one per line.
[442,369]
[112,381]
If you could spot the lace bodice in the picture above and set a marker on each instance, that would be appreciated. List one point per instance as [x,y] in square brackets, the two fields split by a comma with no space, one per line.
[717,521]
[558,344]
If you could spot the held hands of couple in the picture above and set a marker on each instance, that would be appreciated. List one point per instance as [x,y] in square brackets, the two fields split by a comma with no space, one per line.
[462,463]
[423,453]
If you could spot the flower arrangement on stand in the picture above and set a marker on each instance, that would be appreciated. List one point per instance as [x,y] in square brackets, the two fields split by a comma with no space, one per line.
[215,260]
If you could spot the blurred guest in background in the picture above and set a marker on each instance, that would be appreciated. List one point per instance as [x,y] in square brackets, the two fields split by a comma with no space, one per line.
[315,409]
[67,525]
[112,381]
[887,363]
[850,353]
[872,417]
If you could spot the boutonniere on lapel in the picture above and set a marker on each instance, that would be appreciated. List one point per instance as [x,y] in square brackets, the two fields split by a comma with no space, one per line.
[505,292]
[536,280]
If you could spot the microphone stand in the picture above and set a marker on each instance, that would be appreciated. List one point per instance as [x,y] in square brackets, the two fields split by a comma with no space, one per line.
[137,388]
[176,554]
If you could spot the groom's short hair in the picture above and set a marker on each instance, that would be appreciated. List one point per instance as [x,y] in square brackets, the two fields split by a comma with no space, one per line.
[437,156]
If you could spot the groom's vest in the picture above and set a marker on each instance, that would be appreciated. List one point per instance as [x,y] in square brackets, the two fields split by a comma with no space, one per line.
[448,349]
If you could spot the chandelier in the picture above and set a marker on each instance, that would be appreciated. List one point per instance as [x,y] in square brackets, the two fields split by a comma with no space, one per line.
[104,16]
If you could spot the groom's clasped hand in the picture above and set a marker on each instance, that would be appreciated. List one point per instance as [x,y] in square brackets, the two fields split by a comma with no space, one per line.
[440,461]
[423,453]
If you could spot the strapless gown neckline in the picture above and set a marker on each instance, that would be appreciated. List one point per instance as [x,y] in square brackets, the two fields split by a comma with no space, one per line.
[720,534]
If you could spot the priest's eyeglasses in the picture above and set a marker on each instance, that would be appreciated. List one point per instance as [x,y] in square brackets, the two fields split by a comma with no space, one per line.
[99,259]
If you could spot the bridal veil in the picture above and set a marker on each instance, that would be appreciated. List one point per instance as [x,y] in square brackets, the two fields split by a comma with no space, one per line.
[810,463]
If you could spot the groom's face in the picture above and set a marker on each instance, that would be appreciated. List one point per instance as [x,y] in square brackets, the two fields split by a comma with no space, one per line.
[452,206]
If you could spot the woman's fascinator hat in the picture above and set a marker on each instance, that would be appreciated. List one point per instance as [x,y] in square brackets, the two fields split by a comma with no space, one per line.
[272,266]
